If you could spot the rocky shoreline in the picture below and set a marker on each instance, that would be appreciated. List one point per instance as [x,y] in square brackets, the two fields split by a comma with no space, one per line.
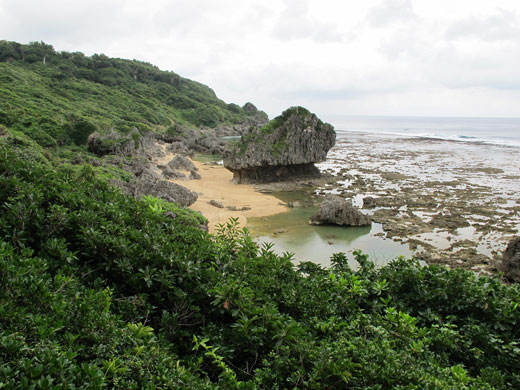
[461,215]
[450,209]
[460,211]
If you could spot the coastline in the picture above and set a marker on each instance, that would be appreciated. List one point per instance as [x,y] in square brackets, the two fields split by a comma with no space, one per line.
[440,201]
[240,201]
[453,203]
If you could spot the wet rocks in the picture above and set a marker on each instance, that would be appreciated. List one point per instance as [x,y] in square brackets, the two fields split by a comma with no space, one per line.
[369,202]
[511,260]
[448,221]
[338,211]
[286,148]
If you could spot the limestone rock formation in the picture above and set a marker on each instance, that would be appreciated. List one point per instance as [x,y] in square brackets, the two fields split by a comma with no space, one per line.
[171,192]
[182,163]
[131,145]
[287,147]
[511,260]
[339,211]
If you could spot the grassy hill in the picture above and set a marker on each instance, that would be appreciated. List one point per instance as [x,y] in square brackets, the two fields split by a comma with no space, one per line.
[59,97]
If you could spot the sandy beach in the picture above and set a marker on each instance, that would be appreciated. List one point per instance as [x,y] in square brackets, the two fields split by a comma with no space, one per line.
[240,201]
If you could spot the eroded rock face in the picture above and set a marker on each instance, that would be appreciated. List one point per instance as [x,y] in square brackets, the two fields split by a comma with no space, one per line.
[181,162]
[511,260]
[147,185]
[339,211]
[287,147]
[131,145]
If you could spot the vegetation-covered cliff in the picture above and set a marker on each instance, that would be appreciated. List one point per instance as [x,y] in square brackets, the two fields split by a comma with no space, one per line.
[100,290]
[60,98]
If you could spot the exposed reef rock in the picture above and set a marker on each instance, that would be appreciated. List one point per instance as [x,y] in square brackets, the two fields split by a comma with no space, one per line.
[339,211]
[286,148]
[511,261]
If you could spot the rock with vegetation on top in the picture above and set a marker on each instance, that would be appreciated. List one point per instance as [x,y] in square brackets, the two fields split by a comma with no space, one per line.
[511,260]
[151,183]
[339,211]
[286,148]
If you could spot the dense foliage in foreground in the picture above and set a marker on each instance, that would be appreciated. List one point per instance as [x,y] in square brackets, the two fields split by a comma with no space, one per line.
[100,290]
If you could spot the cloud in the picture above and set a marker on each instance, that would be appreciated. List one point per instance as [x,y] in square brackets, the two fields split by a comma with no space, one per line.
[375,56]
[74,22]
[500,26]
[489,66]
[295,23]
[391,12]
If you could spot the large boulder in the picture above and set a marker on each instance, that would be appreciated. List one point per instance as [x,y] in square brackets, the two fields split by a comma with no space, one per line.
[511,260]
[339,211]
[286,148]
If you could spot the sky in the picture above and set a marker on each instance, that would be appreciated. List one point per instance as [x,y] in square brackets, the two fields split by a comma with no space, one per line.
[335,57]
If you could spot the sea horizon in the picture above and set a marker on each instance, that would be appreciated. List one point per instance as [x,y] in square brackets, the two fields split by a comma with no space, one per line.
[488,130]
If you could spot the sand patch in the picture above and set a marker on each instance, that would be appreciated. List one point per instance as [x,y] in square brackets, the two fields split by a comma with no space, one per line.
[215,184]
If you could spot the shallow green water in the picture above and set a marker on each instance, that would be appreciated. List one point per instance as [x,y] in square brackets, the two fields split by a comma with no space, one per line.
[204,158]
[291,232]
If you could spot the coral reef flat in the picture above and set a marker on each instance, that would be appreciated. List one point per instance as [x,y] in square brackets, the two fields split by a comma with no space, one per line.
[452,202]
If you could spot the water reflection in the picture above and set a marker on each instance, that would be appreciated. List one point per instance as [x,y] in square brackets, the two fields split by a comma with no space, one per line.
[291,232]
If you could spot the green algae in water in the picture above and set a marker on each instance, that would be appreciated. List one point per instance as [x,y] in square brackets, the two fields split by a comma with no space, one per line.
[206,158]
[291,232]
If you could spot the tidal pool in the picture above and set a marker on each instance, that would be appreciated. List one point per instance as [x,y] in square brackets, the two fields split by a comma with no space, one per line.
[291,232]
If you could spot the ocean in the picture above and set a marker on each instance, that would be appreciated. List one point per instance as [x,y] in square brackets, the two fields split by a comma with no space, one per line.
[447,190]
[496,131]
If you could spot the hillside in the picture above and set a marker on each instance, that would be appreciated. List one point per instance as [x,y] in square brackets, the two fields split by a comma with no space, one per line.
[60,97]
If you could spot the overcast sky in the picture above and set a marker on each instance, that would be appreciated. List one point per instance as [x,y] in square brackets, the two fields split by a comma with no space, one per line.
[370,57]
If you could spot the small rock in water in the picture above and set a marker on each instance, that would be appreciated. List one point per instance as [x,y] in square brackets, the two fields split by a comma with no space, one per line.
[337,211]
[369,202]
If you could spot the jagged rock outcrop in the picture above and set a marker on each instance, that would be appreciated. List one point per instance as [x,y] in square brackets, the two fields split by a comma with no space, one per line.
[209,140]
[339,211]
[182,163]
[148,184]
[511,260]
[286,148]
[131,145]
